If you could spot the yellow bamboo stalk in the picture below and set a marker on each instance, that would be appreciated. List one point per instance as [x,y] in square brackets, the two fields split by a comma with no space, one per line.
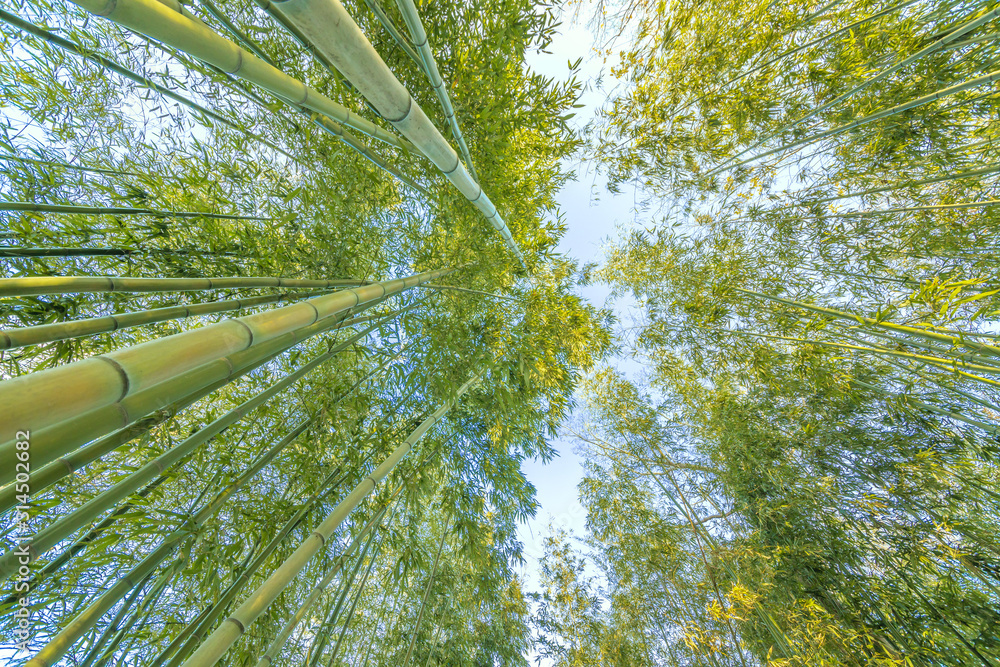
[235,626]
[45,399]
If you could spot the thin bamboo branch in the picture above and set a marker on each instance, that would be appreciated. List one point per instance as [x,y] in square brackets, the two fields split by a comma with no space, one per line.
[427,593]
[471,291]
[119,210]
[394,32]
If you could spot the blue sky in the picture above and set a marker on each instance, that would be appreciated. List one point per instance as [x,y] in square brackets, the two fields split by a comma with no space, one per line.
[593,216]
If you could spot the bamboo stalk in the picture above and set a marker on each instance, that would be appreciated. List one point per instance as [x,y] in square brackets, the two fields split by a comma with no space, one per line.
[328,26]
[48,537]
[120,210]
[419,37]
[69,635]
[76,284]
[66,465]
[159,22]
[121,70]
[47,333]
[236,625]
[161,401]
[354,605]
[394,32]
[50,397]
[470,291]
[427,593]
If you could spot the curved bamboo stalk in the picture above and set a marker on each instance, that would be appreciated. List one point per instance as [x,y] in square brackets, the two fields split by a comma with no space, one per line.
[119,210]
[159,22]
[95,385]
[121,70]
[236,625]
[77,284]
[47,333]
[419,37]
[329,27]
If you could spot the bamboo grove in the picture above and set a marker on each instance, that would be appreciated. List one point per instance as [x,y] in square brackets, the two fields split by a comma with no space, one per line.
[807,472]
[273,349]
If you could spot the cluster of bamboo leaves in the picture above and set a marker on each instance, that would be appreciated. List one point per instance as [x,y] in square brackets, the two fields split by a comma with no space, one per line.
[806,474]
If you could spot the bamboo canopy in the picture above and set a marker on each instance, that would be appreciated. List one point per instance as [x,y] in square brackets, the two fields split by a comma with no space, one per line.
[331,29]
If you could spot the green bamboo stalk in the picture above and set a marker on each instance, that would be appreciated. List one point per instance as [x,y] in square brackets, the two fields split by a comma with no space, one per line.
[79,50]
[196,630]
[419,36]
[931,48]
[159,22]
[470,291]
[48,537]
[394,32]
[319,643]
[354,605]
[91,388]
[21,251]
[65,165]
[120,210]
[112,625]
[427,593]
[58,646]
[235,626]
[76,284]
[330,28]
[47,333]
[72,433]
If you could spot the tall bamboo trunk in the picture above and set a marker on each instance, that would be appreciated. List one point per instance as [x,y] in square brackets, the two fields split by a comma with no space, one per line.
[330,28]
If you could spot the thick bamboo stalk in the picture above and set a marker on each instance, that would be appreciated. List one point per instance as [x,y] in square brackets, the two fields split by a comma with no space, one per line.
[329,27]
[50,397]
[159,22]
[119,210]
[77,284]
[48,537]
[47,333]
[77,49]
[419,37]
[161,402]
[236,625]
[43,477]
[57,647]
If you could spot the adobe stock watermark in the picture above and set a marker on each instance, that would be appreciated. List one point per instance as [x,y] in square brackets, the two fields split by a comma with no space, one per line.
[22,582]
